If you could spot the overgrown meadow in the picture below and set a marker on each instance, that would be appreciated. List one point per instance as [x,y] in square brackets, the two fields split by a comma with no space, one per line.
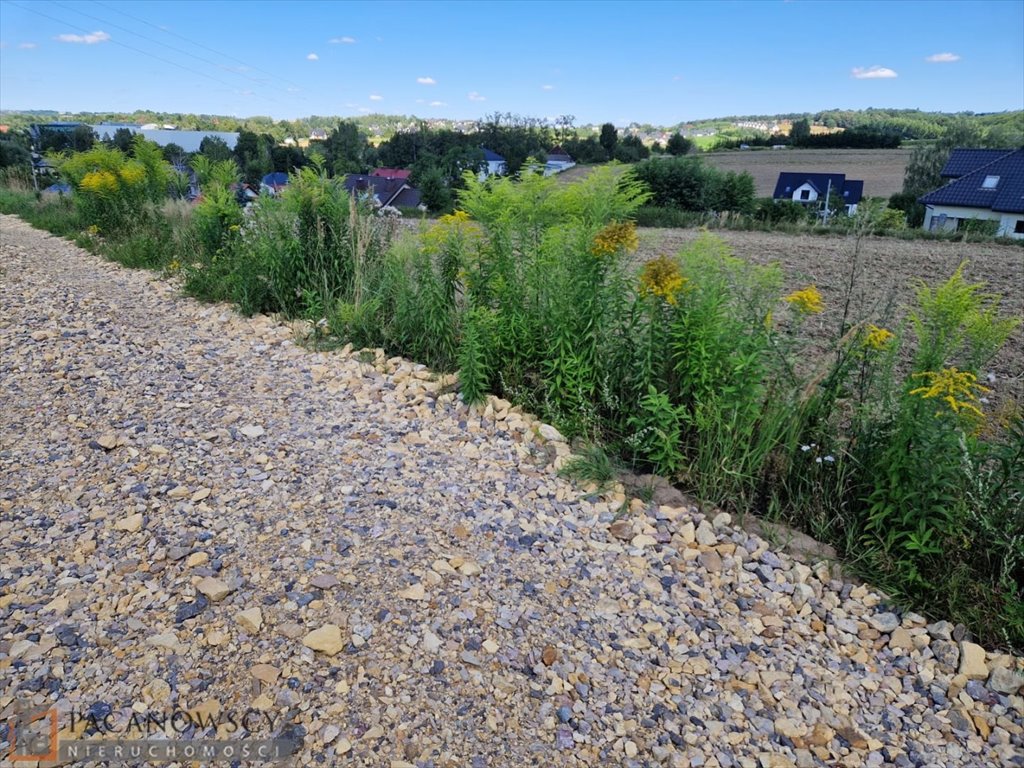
[692,365]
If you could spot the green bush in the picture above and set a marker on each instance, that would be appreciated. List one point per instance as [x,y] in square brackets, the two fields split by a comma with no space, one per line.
[690,185]
[694,366]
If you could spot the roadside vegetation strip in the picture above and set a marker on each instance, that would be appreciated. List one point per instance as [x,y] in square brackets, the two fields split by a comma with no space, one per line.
[694,368]
[236,523]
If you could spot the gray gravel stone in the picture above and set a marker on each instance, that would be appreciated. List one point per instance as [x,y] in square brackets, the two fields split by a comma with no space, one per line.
[349,490]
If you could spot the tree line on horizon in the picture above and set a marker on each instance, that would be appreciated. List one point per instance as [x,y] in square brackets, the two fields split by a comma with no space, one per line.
[909,124]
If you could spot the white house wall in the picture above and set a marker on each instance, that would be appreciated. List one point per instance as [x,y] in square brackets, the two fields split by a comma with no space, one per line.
[809,199]
[953,214]
[1007,224]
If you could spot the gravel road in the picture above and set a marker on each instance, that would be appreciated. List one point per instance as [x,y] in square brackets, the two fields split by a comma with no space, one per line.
[198,514]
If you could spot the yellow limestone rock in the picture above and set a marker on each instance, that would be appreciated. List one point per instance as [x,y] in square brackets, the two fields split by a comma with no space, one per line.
[326,639]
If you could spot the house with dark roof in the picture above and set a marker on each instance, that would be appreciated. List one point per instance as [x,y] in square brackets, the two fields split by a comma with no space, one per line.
[964,160]
[494,164]
[558,160]
[991,191]
[394,192]
[810,188]
[273,183]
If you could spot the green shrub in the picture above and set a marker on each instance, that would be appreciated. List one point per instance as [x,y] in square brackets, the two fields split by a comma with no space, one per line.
[690,185]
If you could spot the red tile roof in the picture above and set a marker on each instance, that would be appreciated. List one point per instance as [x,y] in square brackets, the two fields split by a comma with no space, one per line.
[391,173]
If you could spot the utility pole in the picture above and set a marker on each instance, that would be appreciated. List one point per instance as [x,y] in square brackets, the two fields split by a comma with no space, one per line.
[828,194]
[35,157]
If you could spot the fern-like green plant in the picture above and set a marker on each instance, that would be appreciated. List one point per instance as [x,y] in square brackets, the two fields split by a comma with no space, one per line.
[473,356]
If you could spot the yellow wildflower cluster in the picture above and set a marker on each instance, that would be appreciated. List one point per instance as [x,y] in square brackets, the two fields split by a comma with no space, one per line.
[100,183]
[806,300]
[877,338]
[132,174]
[451,226]
[958,389]
[619,235]
[661,277]
[457,218]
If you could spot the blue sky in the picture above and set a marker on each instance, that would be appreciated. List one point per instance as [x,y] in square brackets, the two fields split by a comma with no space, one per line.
[657,62]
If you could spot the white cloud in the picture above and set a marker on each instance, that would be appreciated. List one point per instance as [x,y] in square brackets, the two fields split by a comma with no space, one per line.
[27,46]
[376,97]
[93,37]
[426,81]
[474,96]
[312,57]
[872,73]
[364,109]
[941,58]
[346,40]
[547,87]
[438,104]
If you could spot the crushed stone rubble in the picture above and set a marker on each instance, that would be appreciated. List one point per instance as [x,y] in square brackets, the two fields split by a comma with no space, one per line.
[199,513]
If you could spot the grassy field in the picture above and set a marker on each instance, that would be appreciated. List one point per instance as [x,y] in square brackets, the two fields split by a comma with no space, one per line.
[881,170]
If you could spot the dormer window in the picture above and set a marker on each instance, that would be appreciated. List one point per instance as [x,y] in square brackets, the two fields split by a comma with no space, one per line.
[990,182]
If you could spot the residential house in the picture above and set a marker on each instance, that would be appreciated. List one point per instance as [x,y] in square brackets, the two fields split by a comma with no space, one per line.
[318,134]
[963,160]
[193,180]
[273,183]
[810,188]
[558,160]
[60,188]
[391,173]
[385,191]
[985,186]
[494,164]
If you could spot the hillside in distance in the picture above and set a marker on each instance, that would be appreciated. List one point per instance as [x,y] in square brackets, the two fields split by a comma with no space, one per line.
[907,123]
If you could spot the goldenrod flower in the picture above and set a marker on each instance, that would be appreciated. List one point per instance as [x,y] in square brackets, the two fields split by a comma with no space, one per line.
[100,183]
[958,389]
[806,300]
[661,277]
[132,174]
[619,235]
[450,227]
[877,338]
[456,218]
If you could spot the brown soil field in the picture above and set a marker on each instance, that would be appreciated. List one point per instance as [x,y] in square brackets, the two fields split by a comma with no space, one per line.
[889,271]
[880,169]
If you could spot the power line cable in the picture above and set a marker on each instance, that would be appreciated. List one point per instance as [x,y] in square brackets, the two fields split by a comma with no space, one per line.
[109,23]
[198,45]
[148,54]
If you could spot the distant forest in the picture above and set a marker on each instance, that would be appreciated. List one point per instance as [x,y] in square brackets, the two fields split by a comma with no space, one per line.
[906,124]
